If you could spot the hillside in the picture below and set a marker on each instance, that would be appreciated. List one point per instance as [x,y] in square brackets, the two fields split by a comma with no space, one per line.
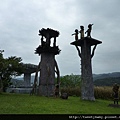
[106,75]
[107,81]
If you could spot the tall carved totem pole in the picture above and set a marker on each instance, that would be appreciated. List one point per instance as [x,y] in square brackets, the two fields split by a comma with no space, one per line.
[48,64]
[86,54]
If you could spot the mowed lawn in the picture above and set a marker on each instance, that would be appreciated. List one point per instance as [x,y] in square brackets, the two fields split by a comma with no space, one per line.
[26,104]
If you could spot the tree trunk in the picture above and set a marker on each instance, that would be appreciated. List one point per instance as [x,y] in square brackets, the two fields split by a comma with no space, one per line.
[47,74]
[34,88]
[87,87]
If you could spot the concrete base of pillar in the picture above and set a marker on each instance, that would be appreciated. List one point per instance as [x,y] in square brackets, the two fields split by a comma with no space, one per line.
[27,79]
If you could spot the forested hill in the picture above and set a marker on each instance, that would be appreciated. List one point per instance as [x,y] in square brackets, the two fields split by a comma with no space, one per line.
[107,81]
[106,75]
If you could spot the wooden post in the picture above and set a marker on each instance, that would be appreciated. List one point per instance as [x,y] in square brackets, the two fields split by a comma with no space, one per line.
[48,63]
[87,86]
[87,89]
[47,74]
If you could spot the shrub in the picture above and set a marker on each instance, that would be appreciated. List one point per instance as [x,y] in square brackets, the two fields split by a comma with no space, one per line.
[71,91]
[99,92]
[103,92]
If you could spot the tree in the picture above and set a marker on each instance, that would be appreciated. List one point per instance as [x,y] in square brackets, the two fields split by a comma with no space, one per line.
[70,80]
[9,67]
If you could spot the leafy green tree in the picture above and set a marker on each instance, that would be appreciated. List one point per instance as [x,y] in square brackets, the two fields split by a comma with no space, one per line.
[9,67]
[70,80]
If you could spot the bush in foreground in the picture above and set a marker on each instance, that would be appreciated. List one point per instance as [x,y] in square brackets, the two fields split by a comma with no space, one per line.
[99,92]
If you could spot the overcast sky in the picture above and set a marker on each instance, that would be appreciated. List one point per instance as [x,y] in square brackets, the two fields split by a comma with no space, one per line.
[20,21]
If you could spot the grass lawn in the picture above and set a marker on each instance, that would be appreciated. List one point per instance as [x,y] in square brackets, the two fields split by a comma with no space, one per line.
[26,104]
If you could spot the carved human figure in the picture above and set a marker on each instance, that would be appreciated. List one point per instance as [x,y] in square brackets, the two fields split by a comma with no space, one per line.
[89,30]
[42,40]
[48,37]
[76,34]
[115,93]
[48,34]
[42,37]
[56,91]
[81,32]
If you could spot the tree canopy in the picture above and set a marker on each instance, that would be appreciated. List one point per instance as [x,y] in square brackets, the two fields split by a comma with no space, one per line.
[9,67]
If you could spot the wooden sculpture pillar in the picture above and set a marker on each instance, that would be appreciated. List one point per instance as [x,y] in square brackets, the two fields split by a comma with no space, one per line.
[48,63]
[87,87]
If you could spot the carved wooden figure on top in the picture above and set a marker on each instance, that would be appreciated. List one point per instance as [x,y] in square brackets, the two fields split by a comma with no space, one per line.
[76,34]
[89,30]
[81,32]
[48,34]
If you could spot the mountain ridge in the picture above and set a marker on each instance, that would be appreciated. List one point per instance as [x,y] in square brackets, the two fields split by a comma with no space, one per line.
[106,75]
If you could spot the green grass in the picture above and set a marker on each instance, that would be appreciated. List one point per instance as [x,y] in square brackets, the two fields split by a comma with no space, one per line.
[26,104]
